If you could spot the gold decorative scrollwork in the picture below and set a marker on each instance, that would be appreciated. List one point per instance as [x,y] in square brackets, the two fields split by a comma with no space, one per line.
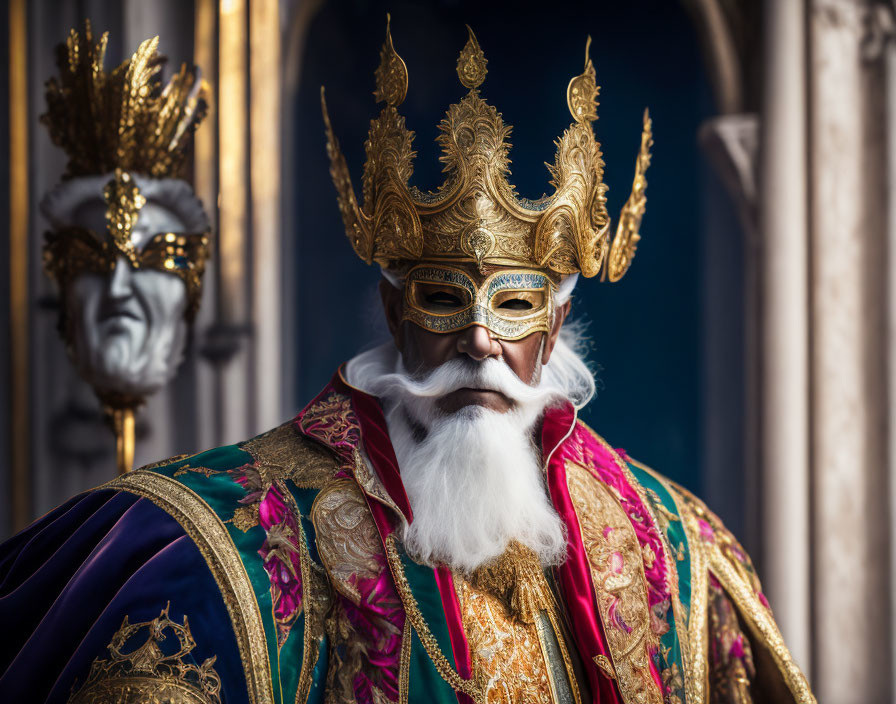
[144,673]
[347,539]
[392,73]
[471,64]
[582,91]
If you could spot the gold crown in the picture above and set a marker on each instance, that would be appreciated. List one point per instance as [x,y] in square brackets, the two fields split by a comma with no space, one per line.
[476,215]
[138,671]
[124,119]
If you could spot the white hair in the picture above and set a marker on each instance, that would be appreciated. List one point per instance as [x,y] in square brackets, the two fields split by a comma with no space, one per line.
[474,478]
[60,205]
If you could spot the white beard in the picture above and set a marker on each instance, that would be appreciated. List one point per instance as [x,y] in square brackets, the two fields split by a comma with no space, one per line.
[473,478]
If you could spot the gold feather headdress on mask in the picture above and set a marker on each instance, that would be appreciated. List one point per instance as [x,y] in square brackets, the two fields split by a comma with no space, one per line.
[125,119]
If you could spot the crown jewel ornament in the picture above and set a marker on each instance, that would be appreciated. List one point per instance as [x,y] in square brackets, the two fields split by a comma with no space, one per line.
[476,216]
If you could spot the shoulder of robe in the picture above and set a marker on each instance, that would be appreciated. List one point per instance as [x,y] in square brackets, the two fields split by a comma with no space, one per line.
[715,552]
[710,534]
[726,560]
[283,453]
[247,506]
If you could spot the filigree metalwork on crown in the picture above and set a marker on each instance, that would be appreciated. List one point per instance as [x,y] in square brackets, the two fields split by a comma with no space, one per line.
[476,215]
[125,118]
[145,673]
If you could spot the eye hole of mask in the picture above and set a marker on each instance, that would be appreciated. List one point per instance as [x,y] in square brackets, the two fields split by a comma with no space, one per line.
[517,304]
[440,298]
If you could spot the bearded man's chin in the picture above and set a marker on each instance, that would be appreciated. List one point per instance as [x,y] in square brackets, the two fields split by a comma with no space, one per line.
[475,484]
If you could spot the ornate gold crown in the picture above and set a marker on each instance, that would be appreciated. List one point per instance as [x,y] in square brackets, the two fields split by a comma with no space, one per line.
[142,672]
[476,215]
[124,119]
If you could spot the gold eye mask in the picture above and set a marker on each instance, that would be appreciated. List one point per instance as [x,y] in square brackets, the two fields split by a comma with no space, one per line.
[511,304]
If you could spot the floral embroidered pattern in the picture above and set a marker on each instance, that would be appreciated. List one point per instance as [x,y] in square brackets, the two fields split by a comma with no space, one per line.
[730,655]
[281,551]
[583,449]
[367,633]
[332,421]
[713,532]
[617,571]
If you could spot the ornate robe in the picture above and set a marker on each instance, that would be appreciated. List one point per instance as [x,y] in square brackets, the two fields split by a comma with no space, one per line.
[273,571]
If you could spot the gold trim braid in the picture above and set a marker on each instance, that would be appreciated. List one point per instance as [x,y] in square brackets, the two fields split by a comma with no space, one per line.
[761,624]
[469,687]
[206,530]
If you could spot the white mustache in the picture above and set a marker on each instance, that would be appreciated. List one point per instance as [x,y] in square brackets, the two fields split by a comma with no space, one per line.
[489,375]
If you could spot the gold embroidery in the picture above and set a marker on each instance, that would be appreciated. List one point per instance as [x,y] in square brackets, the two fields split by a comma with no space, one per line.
[346,651]
[731,671]
[316,602]
[443,667]
[603,662]
[370,482]
[506,652]
[716,555]
[404,674]
[516,578]
[163,463]
[331,421]
[760,622]
[245,517]
[183,469]
[286,454]
[145,674]
[347,538]
[672,683]
[678,609]
[614,555]
[210,535]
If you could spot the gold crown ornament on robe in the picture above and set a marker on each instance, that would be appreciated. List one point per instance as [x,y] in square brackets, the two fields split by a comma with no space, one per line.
[476,218]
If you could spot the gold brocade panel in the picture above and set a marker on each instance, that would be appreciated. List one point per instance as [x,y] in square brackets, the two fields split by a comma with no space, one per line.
[506,653]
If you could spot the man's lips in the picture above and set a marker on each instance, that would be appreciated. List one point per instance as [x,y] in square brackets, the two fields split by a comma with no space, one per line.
[468,396]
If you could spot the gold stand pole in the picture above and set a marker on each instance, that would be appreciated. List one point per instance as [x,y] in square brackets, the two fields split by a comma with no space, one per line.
[123,425]
[20,474]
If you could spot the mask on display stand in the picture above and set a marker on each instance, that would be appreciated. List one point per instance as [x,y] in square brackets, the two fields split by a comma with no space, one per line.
[129,240]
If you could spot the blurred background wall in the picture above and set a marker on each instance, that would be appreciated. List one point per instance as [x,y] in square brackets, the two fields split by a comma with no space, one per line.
[748,353]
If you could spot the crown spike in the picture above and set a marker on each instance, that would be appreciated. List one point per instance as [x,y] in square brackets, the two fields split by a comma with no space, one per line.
[628,231]
[582,92]
[471,63]
[392,73]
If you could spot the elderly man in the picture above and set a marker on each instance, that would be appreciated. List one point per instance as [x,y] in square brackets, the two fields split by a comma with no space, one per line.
[436,525]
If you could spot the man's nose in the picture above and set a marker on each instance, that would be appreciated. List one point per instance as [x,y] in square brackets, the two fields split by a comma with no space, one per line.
[477,342]
[120,280]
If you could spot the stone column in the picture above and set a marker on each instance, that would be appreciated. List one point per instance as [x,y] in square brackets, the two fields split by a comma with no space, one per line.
[848,444]
[784,400]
